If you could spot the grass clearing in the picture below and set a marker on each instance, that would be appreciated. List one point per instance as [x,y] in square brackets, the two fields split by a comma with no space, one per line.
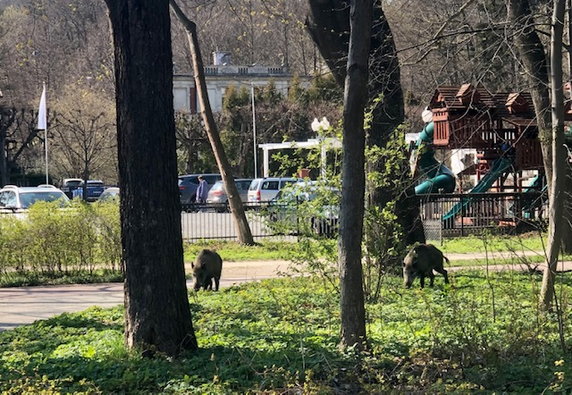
[479,334]
[486,242]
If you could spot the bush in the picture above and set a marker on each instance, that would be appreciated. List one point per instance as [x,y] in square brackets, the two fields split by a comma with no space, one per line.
[57,241]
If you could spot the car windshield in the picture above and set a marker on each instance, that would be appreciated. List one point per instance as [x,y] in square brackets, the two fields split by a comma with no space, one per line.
[73,183]
[29,198]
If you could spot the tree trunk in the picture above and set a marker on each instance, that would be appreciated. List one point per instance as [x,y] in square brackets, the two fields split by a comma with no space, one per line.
[328,25]
[236,206]
[353,178]
[567,231]
[7,117]
[533,58]
[556,186]
[156,302]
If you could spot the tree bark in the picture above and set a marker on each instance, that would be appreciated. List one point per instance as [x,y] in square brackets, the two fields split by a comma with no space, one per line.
[7,117]
[156,302]
[236,206]
[556,186]
[533,58]
[328,24]
[353,178]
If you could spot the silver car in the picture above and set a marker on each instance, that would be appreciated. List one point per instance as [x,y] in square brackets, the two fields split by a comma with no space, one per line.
[217,194]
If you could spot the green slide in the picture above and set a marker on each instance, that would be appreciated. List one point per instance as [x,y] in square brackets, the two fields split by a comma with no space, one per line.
[499,167]
[440,176]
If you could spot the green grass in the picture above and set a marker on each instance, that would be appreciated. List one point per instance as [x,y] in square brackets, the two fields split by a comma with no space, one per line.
[233,251]
[478,334]
[468,244]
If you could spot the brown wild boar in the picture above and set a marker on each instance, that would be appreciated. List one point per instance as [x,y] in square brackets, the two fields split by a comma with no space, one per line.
[207,267]
[420,262]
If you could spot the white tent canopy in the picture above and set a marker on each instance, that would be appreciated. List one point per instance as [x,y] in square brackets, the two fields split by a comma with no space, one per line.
[323,144]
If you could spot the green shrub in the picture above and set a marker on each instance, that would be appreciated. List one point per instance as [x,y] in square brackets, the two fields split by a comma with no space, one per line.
[53,240]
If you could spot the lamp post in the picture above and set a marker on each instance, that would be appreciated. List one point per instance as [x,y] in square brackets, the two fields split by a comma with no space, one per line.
[319,127]
[254,130]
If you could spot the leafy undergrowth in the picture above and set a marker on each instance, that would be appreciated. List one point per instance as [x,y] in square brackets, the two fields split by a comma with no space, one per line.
[280,336]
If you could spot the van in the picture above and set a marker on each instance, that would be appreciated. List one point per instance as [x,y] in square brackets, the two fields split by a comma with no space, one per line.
[265,189]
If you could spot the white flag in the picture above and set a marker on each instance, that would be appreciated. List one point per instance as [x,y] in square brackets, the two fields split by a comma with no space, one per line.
[42,121]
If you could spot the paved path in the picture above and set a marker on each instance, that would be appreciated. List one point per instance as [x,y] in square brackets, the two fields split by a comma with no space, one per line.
[19,306]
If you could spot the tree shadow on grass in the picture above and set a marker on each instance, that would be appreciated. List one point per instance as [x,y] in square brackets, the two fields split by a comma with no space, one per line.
[235,368]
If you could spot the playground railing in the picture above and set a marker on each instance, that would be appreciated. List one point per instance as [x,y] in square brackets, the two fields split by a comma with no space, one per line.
[461,214]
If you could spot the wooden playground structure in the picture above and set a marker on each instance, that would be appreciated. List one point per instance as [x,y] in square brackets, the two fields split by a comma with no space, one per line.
[502,128]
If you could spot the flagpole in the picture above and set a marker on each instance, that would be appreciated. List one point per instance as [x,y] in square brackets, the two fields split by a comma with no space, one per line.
[43,124]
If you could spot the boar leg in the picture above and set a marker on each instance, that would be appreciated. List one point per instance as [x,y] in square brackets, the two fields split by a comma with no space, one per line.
[444,273]
[422,280]
[216,282]
[431,278]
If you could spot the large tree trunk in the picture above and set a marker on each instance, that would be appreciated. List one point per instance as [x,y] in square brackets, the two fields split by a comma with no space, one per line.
[556,186]
[328,25]
[156,302]
[236,206]
[533,58]
[353,178]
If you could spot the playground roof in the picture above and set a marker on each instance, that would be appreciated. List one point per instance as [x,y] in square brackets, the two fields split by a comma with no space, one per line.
[455,97]
[521,122]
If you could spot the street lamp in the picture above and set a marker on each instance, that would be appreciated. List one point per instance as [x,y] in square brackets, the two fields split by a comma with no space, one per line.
[321,126]
[254,130]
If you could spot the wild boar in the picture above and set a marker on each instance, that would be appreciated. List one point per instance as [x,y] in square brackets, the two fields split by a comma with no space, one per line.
[420,262]
[207,267]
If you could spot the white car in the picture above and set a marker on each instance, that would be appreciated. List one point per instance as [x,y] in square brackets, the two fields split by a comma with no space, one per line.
[266,189]
[14,198]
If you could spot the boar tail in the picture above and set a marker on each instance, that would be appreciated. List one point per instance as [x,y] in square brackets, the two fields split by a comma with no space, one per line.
[447,259]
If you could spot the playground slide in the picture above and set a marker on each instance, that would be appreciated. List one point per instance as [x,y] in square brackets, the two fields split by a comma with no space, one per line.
[537,185]
[440,176]
[499,166]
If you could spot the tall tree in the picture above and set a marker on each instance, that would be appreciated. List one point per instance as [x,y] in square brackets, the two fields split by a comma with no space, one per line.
[550,123]
[236,206]
[558,179]
[353,177]
[328,24]
[156,303]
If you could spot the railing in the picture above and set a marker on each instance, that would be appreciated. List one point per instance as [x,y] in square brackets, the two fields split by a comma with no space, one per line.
[266,219]
[215,221]
[465,213]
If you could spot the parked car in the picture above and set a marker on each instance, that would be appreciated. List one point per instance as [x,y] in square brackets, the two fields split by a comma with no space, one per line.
[217,194]
[14,198]
[189,183]
[306,207]
[111,193]
[94,189]
[266,189]
[69,185]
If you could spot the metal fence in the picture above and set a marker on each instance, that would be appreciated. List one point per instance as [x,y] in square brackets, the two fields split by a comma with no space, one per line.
[214,221]
[459,214]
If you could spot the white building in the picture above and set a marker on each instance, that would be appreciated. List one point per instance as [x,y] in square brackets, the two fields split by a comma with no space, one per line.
[221,76]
